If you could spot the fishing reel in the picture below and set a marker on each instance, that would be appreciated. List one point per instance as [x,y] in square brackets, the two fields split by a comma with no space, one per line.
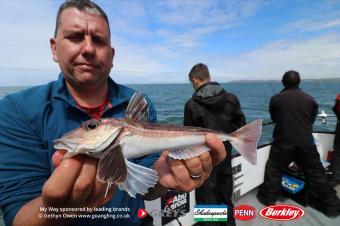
[324,116]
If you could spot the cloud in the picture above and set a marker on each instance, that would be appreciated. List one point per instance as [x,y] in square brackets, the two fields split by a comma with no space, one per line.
[159,41]
[313,58]
[176,26]
[188,22]
[127,17]
[188,14]
[24,39]
[134,62]
[318,16]
[312,25]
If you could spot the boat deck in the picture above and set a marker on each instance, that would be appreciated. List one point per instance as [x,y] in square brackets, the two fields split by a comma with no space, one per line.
[312,216]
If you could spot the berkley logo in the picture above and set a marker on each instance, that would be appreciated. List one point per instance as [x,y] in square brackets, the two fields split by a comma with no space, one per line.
[282,212]
[244,212]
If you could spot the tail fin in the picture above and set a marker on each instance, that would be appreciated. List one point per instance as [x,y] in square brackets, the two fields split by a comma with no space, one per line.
[246,138]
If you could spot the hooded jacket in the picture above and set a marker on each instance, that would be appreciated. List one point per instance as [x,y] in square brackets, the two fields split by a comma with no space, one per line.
[213,108]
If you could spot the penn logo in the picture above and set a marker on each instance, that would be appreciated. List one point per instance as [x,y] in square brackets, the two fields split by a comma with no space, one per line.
[244,212]
[282,212]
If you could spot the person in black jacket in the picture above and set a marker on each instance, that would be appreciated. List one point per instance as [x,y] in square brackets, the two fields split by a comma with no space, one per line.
[293,112]
[213,108]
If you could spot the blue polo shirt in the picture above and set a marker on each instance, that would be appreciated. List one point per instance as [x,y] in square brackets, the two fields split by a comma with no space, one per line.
[29,122]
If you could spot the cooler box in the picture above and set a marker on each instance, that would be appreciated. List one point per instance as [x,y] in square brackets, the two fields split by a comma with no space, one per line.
[291,184]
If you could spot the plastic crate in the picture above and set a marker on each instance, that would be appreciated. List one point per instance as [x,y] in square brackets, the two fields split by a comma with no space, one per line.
[291,184]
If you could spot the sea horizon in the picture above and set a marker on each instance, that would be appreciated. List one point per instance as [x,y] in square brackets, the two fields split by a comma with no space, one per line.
[333,79]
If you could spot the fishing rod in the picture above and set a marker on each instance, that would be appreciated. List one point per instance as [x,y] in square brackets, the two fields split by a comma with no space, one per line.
[323,115]
[267,123]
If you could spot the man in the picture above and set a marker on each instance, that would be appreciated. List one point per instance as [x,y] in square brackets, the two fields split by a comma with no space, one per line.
[34,176]
[294,113]
[336,153]
[213,108]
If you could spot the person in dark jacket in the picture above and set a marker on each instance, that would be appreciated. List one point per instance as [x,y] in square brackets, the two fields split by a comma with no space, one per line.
[213,108]
[336,153]
[293,112]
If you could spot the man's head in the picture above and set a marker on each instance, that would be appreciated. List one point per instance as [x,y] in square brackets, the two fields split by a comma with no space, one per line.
[81,5]
[291,79]
[199,75]
[82,45]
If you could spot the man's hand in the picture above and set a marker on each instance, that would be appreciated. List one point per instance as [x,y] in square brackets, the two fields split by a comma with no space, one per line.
[73,183]
[186,175]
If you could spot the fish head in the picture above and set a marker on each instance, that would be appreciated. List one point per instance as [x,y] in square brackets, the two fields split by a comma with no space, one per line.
[93,136]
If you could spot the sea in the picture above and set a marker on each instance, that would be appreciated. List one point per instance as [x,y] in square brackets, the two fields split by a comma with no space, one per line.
[254,96]
[169,100]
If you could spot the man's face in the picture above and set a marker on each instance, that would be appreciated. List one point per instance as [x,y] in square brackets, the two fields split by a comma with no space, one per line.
[195,83]
[83,49]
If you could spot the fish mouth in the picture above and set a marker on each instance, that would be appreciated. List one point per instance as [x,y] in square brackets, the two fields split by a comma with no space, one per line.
[66,144]
[77,146]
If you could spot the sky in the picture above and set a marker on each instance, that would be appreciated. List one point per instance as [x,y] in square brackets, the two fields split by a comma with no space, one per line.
[160,41]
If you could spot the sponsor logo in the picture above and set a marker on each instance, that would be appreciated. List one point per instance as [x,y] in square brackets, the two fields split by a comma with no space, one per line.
[141,213]
[244,212]
[282,212]
[204,213]
[174,205]
[176,202]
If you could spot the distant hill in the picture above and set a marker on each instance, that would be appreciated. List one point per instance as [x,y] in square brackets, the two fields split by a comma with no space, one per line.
[324,79]
[305,80]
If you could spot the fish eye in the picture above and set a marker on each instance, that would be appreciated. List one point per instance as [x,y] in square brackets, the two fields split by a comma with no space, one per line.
[91,124]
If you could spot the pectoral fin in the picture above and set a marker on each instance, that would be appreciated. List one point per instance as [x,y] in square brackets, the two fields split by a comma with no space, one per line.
[138,180]
[189,152]
[111,166]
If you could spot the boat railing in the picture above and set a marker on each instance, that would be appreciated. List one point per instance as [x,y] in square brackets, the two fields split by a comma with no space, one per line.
[268,126]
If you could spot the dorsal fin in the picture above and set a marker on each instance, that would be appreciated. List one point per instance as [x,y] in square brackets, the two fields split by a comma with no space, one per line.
[138,109]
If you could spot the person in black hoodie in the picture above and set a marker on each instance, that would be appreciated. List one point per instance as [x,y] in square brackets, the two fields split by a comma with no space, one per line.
[213,108]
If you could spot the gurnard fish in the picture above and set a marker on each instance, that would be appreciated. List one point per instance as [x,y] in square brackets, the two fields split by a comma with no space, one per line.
[113,141]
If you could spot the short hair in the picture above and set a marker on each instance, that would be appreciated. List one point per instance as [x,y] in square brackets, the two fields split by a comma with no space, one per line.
[291,79]
[199,71]
[82,5]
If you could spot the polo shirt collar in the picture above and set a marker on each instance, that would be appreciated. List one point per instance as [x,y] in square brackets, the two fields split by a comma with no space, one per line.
[117,95]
